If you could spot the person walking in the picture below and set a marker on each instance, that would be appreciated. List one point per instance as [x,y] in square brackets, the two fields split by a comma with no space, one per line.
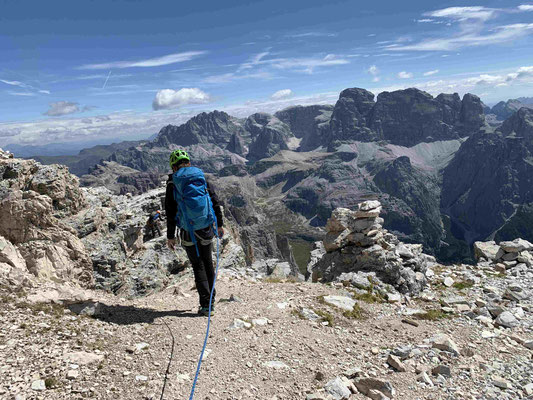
[190,202]
[153,223]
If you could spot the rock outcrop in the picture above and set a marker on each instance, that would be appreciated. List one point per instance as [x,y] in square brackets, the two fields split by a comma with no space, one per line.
[506,255]
[360,251]
[34,201]
[121,179]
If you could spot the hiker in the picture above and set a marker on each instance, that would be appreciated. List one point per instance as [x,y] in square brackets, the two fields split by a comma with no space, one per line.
[153,223]
[184,181]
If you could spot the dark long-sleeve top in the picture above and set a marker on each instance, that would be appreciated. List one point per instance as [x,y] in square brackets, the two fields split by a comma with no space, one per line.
[171,207]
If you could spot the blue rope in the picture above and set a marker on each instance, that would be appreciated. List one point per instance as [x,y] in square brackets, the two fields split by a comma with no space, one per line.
[208,322]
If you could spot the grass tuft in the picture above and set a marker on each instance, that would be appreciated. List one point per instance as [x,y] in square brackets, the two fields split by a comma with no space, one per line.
[356,313]
[431,315]
[325,317]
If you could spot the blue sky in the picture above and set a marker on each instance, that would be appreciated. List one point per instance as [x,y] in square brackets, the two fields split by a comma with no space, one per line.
[85,71]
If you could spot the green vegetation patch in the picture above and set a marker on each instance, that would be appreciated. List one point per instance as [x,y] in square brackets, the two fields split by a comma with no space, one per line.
[356,313]
[431,315]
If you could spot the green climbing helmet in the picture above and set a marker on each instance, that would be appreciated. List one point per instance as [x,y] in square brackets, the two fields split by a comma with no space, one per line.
[177,156]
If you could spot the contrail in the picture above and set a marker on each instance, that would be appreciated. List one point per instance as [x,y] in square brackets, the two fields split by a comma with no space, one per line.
[105,83]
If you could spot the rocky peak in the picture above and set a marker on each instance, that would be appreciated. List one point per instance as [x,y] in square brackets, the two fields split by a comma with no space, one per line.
[308,123]
[269,135]
[504,109]
[213,127]
[349,119]
[472,114]
[520,124]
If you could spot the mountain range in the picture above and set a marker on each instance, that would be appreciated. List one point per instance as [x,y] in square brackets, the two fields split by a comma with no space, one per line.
[445,176]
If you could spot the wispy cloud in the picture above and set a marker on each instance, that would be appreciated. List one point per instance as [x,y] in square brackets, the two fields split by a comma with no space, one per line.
[500,34]
[234,76]
[374,71]
[405,75]
[15,83]
[27,94]
[312,34]
[30,90]
[526,7]
[432,72]
[146,63]
[472,29]
[169,99]
[253,61]
[282,94]
[307,65]
[476,83]
[464,13]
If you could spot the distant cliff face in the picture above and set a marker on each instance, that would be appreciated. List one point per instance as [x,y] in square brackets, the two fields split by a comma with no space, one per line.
[504,109]
[490,177]
[308,123]
[214,127]
[404,117]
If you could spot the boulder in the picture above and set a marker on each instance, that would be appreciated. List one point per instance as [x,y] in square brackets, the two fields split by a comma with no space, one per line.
[516,246]
[487,250]
[365,385]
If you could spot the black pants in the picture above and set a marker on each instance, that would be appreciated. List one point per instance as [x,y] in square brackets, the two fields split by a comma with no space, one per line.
[204,274]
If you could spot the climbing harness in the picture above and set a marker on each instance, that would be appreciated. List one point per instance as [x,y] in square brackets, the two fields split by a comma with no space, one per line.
[208,318]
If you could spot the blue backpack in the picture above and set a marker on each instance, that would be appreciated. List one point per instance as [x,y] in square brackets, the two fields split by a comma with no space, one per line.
[195,209]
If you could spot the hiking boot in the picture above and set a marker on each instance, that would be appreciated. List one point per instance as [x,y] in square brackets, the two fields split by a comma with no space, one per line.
[204,311]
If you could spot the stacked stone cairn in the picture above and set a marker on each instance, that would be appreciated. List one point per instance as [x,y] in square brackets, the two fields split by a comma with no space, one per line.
[514,257]
[358,250]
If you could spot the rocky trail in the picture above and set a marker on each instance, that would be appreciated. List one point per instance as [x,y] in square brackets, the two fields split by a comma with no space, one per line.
[272,340]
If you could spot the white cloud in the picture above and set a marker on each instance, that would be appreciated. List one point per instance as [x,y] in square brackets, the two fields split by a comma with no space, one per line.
[464,13]
[374,71]
[432,72]
[167,98]
[233,76]
[472,31]
[520,78]
[307,65]
[500,34]
[62,108]
[405,75]
[27,94]
[281,94]
[44,91]
[312,34]
[150,62]
[14,83]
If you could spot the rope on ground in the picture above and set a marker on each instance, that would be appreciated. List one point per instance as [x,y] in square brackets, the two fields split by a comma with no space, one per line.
[169,361]
[208,324]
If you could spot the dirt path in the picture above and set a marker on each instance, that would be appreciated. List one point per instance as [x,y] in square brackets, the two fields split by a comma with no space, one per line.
[286,356]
